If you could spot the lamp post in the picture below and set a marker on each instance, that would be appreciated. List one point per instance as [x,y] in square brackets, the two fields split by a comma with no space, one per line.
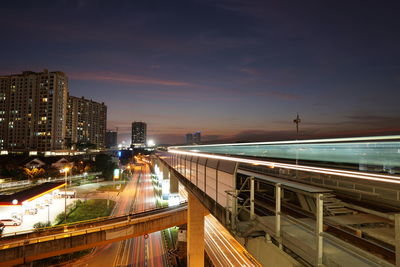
[48,214]
[65,170]
[297,121]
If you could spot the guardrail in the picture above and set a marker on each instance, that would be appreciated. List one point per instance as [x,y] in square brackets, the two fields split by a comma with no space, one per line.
[41,181]
[83,224]
[14,184]
[62,239]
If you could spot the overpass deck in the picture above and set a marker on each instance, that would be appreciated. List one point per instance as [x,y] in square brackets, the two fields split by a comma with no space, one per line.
[24,248]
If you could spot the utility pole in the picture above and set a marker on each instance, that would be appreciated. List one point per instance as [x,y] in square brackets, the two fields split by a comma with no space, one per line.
[297,120]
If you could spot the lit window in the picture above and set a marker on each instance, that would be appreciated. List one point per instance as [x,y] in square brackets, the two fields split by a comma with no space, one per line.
[44,99]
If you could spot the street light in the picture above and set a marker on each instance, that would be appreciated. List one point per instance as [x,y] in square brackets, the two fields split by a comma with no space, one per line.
[48,214]
[65,171]
[297,120]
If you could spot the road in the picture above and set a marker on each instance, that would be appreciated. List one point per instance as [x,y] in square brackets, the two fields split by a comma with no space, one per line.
[143,251]
[137,196]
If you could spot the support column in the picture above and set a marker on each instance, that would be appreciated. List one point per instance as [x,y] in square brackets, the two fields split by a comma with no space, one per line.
[319,229]
[252,215]
[195,232]
[234,209]
[278,213]
[397,238]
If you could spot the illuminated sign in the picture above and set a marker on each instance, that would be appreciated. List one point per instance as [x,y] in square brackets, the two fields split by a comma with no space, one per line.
[116,174]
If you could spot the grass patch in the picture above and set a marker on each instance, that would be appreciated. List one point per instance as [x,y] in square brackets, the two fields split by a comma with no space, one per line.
[161,203]
[90,209]
[82,210]
[171,235]
[112,188]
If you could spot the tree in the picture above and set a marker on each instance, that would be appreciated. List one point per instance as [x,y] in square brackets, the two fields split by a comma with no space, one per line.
[33,173]
[81,146]
[104,164]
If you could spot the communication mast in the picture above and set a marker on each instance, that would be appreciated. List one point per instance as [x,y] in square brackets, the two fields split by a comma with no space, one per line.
[297,120]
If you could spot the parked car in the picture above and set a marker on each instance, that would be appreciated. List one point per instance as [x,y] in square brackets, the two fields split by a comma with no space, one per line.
[2,228]
[12,222]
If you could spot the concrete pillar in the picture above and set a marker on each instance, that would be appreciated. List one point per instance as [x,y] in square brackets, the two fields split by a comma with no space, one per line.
[319,214]
[195,232]
[397,238]
[252,215]
[278,212]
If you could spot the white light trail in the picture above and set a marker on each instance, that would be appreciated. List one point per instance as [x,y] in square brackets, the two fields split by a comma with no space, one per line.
[350,174]
[350,139]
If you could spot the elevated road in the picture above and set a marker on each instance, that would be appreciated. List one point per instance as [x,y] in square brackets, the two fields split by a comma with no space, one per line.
[55,241]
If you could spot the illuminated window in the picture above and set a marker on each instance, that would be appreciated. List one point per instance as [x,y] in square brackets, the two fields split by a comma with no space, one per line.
[44,99]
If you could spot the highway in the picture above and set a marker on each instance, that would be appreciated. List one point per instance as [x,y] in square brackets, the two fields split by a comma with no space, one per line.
[142,251]
[137,196]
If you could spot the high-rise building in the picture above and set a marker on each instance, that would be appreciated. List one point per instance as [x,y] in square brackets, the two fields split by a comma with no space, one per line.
[111,139]
[139,132]
[33,108]
[86,122]
[189,138]
[193,139]
[197,138]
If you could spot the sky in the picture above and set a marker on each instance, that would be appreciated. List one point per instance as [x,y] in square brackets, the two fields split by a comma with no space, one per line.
[234,70]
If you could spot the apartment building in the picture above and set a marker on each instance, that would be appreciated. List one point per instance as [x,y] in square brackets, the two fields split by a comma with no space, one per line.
[86,122]
[33,107]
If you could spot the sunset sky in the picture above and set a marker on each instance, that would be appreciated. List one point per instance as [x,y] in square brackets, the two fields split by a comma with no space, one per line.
[234,70]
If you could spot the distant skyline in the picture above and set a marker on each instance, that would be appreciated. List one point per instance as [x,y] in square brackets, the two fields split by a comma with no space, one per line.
[234,70]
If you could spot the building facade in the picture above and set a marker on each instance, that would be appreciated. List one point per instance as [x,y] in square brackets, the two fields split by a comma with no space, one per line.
[189,139]
[139,134]
[33,108]
[193,139]
[111,139]
[86,122]
[197,138]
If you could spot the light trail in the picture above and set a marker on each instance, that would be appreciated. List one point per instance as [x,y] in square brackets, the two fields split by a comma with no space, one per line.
[310,141]
[220,245]
[350,174]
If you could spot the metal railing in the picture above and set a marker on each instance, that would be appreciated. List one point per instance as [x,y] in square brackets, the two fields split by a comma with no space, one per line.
[98,220]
